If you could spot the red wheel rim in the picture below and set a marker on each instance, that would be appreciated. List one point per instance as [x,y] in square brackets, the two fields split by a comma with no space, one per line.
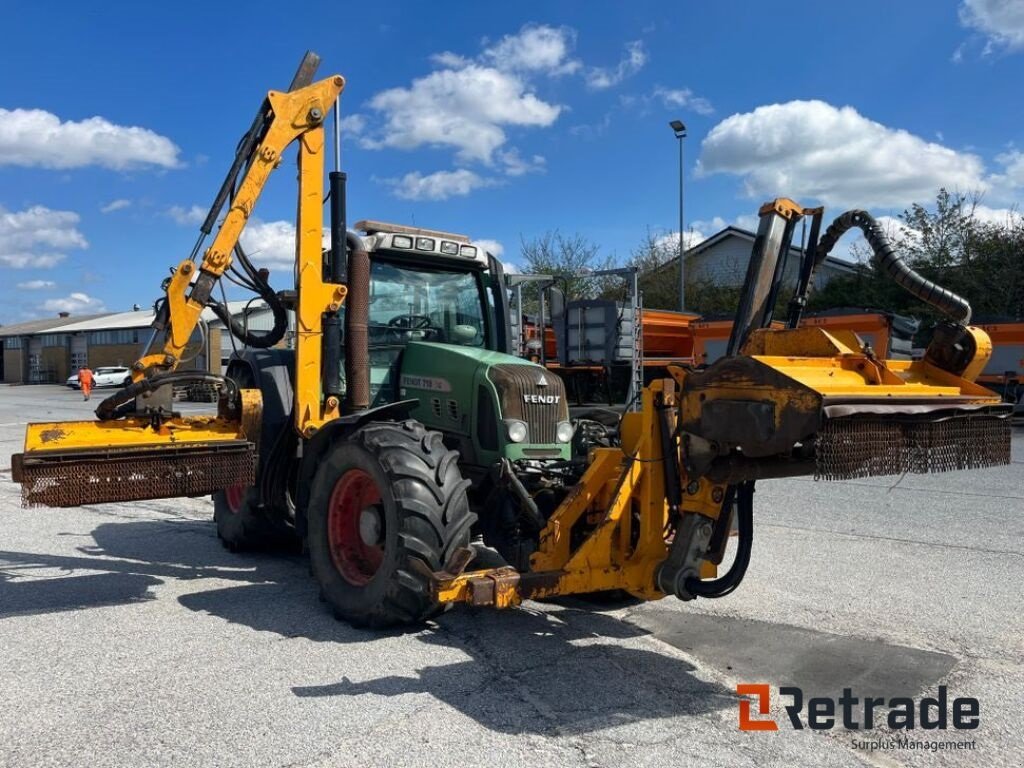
[235,496]
[354,494]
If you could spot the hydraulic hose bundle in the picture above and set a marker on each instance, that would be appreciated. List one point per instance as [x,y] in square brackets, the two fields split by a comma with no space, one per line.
[114,407]
[893,265]
[727,582]
[256,281]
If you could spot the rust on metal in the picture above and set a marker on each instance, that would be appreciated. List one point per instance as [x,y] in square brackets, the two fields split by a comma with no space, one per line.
[52,435]
[496,588]
[539,584]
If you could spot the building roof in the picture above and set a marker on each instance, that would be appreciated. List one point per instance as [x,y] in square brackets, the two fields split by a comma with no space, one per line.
[841,264]
[112,321]
[31,327]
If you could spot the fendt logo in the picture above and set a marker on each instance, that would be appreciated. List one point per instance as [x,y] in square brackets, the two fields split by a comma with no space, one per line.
[854,713]
[542,399]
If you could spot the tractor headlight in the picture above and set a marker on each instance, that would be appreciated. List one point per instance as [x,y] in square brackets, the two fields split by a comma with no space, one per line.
[564,432]
[516,431]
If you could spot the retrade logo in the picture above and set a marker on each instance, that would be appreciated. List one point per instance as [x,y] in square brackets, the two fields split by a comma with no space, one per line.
[856,713]
[763,694]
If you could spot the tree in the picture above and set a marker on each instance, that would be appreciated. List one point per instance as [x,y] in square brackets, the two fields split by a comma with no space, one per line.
[571,258]
[657,261]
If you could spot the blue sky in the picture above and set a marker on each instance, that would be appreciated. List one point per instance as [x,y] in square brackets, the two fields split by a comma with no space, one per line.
[497,120]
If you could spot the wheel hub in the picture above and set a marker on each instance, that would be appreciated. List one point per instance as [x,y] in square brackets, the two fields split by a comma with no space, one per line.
[235,495]
[370,526]
[355,527]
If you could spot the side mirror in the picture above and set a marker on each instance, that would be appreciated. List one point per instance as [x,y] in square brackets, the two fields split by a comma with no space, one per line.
[556,302]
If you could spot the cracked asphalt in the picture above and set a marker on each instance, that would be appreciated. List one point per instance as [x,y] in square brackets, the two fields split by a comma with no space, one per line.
[129,637]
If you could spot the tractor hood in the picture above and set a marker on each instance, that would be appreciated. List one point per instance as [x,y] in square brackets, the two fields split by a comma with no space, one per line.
[472,394]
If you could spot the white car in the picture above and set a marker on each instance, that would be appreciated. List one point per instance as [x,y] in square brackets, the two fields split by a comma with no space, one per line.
[113,376]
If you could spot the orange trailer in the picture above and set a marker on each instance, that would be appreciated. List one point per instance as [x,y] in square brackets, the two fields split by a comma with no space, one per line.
[890,335]
[1005,370]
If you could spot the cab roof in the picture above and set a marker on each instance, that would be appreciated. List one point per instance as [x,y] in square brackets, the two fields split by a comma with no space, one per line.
[372,227]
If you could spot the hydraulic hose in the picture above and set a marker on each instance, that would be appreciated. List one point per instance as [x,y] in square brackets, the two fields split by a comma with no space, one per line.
[731,579]
[239,331]
[113,406]
[893,265]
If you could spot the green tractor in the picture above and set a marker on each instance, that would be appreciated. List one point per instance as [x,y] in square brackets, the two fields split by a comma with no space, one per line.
[459,445]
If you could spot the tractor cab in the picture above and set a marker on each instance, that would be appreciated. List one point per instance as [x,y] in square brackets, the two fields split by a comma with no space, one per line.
[437,331]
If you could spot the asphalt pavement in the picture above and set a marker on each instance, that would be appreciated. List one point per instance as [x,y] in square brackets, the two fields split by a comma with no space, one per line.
[129,637]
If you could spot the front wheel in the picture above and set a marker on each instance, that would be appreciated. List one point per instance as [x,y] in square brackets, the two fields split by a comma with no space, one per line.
[385,502]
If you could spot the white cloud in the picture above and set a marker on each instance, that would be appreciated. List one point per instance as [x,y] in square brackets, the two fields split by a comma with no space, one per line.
[813,150]
[115,205]
[36,285]
[354,124]
[493,247]
[36,138]
[999,216]
[600,78]
[715,224]
[534,48]
[1014,166]
[1013,171]
[438,186]
[1002,21]
[466,104]
[37,237]
[683,97]
[271,244]
[185,216]
[516,165]
[463,108]
[670,240]
[75,302]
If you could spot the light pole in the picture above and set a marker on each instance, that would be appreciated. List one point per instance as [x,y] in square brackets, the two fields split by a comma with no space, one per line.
[680,131]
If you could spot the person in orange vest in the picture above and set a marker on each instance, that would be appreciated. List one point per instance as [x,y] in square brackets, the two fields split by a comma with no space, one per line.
[85,381]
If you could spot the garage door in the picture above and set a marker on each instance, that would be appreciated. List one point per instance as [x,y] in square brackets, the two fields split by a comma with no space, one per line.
[79,351]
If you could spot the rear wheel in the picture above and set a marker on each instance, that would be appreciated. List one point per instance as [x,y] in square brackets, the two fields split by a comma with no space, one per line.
[387,501]
[242,524]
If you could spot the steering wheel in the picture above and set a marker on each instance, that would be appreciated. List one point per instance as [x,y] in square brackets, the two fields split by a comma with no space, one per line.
[399,326]
[409,322]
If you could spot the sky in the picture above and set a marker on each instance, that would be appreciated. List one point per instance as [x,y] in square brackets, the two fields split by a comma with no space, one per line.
[119,120]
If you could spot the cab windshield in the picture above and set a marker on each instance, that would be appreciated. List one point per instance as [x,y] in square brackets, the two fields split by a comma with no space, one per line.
[425,304]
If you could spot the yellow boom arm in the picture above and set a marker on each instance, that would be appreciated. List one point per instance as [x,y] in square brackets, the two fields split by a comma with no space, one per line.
[142,456]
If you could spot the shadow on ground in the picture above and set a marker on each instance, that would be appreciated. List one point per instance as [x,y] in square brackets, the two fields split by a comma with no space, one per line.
[546,672]
[565,669]
[126,560]
[820,663]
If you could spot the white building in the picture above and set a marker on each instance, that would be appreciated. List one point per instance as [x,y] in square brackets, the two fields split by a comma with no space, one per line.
[722,260]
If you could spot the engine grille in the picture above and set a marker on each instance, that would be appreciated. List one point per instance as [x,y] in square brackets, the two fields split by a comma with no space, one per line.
[517,385]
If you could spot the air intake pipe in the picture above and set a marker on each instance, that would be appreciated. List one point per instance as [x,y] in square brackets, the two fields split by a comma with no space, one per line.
[357,318]
[885,258]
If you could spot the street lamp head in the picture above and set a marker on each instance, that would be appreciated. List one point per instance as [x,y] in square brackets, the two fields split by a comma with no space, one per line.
[678,127]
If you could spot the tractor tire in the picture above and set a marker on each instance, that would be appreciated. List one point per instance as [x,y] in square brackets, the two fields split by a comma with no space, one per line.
[384,503]
[242,525]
